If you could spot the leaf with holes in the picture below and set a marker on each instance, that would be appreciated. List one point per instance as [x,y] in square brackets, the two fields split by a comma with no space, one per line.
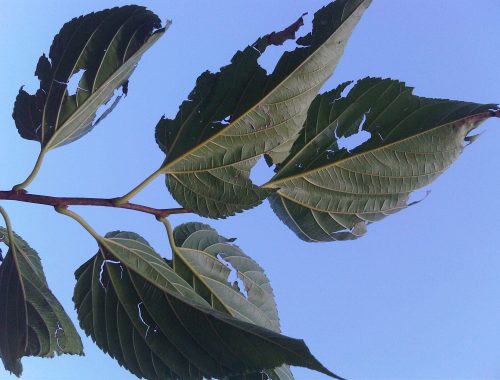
[234,116]
[32,321]
[203,258]
[106,46]
[143,314]
[326,192]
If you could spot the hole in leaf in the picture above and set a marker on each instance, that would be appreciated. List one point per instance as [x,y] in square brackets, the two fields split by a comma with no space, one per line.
[226,120]
[347,89]
[106,108]
[358,229]
[73,82]
[141,317]
[101,271]
[353,141]
[271,56]
[3,251]
[58,334]
[233,279]
[260,173]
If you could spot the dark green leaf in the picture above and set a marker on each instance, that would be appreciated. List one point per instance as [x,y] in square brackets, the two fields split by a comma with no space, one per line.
[203,258]
[234,116]
[107,46]
[142,313]
[32,321]
[326,193]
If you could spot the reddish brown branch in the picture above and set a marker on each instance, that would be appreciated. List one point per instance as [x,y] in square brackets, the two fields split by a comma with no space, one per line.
[23,196]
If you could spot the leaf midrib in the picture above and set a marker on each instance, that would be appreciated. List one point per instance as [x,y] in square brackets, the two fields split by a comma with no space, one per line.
[324,130]
[104,242]
[221,132]
[202,279]
[125,22]
[72,70]
[275,184]
[95,95]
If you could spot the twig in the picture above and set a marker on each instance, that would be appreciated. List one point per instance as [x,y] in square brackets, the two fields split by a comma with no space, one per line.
[63,202]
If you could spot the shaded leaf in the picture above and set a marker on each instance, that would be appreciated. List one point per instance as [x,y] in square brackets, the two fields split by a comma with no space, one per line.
[327,192]
[218,192]
[204,259]
[143,314]
[107,46]
[32,321]
[234,116]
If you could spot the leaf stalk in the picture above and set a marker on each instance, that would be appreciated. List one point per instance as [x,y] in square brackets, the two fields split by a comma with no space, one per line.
[138,188]
[80,220]
[170,232]
[7,225]
[33,174]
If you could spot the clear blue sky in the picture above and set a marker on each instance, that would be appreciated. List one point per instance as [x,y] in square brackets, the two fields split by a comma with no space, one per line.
[417,297]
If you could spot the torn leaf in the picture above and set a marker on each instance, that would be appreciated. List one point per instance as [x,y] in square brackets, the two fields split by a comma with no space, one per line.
[326,193]
[266,112]
[104,48]
[206,260]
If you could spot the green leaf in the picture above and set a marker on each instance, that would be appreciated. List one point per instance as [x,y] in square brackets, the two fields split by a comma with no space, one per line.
[203,258]
[32,321]
[143,314]
[107,46]
[326,193]
[234,116]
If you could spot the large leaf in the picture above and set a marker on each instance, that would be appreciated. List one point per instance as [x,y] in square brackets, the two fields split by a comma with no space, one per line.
[326,193]
[107,46]
[32,321]
[234,116]
[142,313]
[203,258]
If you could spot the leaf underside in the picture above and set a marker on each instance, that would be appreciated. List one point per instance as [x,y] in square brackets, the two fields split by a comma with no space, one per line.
[234,116]
[32,321]
[326,192]
[107,46]
[204,259]
[142,313]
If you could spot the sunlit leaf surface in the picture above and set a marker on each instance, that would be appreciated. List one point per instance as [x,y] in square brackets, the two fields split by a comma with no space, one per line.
[234,116]
[326,191]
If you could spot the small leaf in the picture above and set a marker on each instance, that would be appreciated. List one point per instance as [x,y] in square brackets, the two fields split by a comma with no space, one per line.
[32,321]
[143,314]
[234,116]
[107,46]
[203,258]
[327,192]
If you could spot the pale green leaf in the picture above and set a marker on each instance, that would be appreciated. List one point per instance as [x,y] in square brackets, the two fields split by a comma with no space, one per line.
[204,259]
[326,193]
[234,116]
